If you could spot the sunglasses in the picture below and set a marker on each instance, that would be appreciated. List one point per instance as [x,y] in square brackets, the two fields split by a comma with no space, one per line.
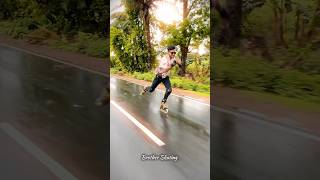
[173,52]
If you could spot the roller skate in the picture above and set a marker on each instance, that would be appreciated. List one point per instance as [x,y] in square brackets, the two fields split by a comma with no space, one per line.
[164,107]
[103,99]
[144,90]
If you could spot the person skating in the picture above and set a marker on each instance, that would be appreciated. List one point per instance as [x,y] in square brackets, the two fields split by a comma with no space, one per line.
[162,75]
[103,99]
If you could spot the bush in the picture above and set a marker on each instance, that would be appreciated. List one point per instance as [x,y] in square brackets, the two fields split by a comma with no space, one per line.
[91,44]
[176,82]
[41,35]
[115,63]
[85,43]
[18,28]
[253,73]
[113,71]
[200,71]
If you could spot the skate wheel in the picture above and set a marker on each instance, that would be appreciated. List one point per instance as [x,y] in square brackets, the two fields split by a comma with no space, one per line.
[165,110]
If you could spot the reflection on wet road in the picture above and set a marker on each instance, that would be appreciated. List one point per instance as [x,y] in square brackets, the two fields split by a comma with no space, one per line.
[249,148]
[52,104]
[184,130]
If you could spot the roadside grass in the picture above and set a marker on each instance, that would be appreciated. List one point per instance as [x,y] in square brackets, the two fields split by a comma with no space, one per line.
[286,101]
[176,82]
[84,43]
[247,72]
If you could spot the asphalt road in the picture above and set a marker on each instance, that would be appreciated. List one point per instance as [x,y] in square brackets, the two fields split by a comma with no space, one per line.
[184,132]
[50,127]
[246,147]
[49,122]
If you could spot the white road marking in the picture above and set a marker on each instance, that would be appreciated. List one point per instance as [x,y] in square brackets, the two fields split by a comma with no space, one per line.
[47,161]
[139,125]
[112,86]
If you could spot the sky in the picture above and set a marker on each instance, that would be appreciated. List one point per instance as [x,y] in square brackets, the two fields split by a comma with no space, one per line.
[115,6]
[168,11]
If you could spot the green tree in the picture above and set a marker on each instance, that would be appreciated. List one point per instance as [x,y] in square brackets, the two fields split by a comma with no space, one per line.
[314,25]
[193,28]
[128,41]
[7,8]
[143,7]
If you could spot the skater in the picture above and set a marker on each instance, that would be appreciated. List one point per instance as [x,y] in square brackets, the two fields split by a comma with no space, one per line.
[162,75]
[103,99]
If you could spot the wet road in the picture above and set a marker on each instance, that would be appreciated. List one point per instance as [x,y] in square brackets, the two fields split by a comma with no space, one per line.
[251,148]
[47,108]
[40,100]
[184,130]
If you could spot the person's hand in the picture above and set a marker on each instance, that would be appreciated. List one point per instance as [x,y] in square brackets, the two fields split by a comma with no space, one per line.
[158,71]
[178,61]
[174,63]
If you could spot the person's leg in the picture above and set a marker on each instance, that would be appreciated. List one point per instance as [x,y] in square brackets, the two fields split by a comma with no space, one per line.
[167,84]
[156,81]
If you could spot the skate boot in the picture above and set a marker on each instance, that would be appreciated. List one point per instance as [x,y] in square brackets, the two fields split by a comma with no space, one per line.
[103,99]
[144,91]
[164,107]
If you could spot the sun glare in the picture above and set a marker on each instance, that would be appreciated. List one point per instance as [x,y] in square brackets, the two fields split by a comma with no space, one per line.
[168,11]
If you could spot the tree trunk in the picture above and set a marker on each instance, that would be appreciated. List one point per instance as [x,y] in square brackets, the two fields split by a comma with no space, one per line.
[279,15]
[231,16]
[281,27]
[301,40]
[313,22]
[184,47]
[146,27]
[297,28]
[184,55]
[185,9]
[276,24]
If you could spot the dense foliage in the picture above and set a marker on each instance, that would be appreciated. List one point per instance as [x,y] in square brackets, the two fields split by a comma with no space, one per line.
[193,30]
[77,25]
[268,45]
[67,16]
[128,42]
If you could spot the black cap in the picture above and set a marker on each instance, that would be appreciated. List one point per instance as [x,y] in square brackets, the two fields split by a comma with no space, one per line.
[171,47]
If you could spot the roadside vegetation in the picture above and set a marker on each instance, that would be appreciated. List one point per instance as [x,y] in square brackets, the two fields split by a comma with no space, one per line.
[176,81]
[79,26]
[269,46]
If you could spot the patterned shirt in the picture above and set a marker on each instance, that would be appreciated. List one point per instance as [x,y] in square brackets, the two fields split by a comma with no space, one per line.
[165,63]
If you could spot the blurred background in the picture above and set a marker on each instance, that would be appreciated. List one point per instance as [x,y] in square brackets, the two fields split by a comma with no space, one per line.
[270,47]
[53,68]
[72,25]
[266,90]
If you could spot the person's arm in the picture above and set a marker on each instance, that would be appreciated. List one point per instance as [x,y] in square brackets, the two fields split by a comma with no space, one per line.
[177,61]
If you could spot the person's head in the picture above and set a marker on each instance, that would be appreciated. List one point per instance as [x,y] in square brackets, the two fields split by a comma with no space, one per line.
[171,51]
